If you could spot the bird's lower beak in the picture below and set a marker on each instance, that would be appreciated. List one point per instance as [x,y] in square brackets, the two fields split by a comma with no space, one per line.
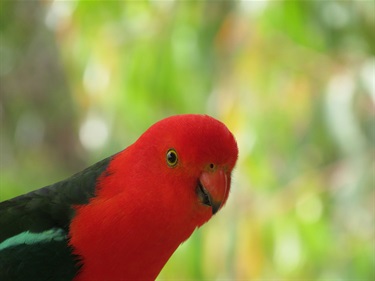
[213,188]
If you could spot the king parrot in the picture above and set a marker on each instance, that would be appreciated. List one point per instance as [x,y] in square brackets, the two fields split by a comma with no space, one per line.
[123,217]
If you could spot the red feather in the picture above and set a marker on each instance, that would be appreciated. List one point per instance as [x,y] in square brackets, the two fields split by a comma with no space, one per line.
[144,209]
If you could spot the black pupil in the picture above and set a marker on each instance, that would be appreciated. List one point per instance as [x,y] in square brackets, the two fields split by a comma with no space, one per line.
[172,157]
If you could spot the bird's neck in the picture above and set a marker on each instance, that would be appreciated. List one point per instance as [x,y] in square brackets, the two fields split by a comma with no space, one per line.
[120,240]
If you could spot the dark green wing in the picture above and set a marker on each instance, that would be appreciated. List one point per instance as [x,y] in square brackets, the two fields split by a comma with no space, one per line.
[40,257]
[50,206]
[34,228]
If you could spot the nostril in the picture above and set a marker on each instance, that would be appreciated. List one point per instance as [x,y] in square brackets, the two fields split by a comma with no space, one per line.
[212,166]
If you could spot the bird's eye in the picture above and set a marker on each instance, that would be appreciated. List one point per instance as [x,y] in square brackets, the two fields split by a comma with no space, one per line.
[172,158]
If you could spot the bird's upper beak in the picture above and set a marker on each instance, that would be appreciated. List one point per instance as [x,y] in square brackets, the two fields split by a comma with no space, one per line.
[213,188]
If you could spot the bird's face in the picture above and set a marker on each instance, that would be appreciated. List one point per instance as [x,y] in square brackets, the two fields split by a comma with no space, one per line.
[196,156]
[181,166]
[202,182]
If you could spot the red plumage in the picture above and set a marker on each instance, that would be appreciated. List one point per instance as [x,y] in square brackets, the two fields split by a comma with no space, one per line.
[145,207]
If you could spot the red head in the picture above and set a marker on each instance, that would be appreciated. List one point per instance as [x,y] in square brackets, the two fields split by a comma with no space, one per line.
[152,197]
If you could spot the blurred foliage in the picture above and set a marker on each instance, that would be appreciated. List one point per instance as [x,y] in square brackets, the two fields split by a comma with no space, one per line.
[294,81]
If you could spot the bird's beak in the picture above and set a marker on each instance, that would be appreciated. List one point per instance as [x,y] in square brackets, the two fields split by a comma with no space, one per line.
[213,188]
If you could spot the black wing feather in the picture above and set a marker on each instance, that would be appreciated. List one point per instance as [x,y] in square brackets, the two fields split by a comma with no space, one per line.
[47,209]
[50,206]
[29,262]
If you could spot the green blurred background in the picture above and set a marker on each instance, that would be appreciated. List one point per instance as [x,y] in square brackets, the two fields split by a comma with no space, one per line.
[293,80]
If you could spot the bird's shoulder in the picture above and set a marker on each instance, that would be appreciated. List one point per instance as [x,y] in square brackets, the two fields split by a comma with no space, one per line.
[51,206]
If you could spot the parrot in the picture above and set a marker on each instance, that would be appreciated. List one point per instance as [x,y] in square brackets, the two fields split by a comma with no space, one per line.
[123,217]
